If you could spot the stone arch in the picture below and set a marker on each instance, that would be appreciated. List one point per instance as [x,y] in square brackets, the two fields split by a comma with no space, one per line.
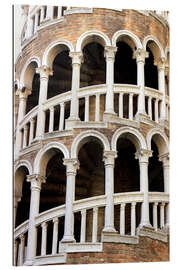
[53,49]
[155,46]
[131,39]
[132,134]
[45,154]
[82,139]
[26,75]
[160,139]
[24,163]
[90,36]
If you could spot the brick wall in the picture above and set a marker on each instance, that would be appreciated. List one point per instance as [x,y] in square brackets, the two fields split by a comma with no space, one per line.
[147,250]
[105,20]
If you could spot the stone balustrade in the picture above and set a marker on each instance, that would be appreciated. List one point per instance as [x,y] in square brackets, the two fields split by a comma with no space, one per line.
[91,102]
[54,218]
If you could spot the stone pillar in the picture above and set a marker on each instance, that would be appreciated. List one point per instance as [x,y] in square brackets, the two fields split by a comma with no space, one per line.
[161,87]
[121,104]
[31,133]
[59,12]
[36,22]
[44,226]
[130,106]
[21,249]
[140,55]
[61,117]
[110,55]
[86,109]
[133,218]
[35,181]
[143,156]
[76,64]
[49,15]
[165,161]
[109,157]
[150,107]
[23,94]
[42,14]
[155,217]
[55,235]
[25,136]
[71,168]
[95,224]
[51,119]
[83,226]
[44,72]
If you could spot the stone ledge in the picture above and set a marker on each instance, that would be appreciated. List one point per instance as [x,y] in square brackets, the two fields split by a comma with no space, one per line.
[151,233]
[117,238]
[80,247]
[50,259]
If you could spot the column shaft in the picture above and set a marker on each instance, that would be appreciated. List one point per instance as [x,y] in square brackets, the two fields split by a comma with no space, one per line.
[133,218]
[55,236]
[61,118]
[86,108]
[109,157]
[36,181]
[95,225]
[44,239]
[155,225]
[83,226]
[122,218]
[71,167]
[121,105]
[97,107]
[110,54]
[130,106]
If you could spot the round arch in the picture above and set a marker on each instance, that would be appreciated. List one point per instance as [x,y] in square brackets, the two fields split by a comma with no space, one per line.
[43,157]
[35,59]
[158,44]
[24,163]
[82,139]
[132,39]
[160,139]
[132,134]
[90,36]
[53,49]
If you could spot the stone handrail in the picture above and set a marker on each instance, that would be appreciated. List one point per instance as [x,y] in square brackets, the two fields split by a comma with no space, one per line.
[128,197]
[21,229]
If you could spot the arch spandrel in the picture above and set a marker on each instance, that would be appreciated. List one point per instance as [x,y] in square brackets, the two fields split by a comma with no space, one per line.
[160,140]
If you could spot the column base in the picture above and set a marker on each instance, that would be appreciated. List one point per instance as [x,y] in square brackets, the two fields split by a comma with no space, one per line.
[108,116]
[71,122]
[28,263]
[144,225]
[109,230]
[68,239]
[141,117]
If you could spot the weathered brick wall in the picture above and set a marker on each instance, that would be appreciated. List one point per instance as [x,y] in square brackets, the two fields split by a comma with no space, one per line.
[105,20]
[147,250]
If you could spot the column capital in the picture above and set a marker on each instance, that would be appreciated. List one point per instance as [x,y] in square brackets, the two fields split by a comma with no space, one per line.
[164,159]
[72,165]
[160,63]
[77,57]
[109,157]
[44,71]
[109,52]
[143,155]
[140,55]
[23,93]
[55,220]
[44,225]
[36,180]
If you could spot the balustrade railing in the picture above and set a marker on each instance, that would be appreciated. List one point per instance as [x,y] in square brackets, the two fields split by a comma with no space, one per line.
[50,224]
[91,107]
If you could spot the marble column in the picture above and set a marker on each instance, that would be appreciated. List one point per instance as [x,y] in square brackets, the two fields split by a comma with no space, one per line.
[71,168]
[36,180]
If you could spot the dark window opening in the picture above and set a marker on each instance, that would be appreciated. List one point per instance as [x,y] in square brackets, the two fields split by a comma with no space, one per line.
[93,69]
[151,72]
[125,68]
[33,98]
[60,82]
